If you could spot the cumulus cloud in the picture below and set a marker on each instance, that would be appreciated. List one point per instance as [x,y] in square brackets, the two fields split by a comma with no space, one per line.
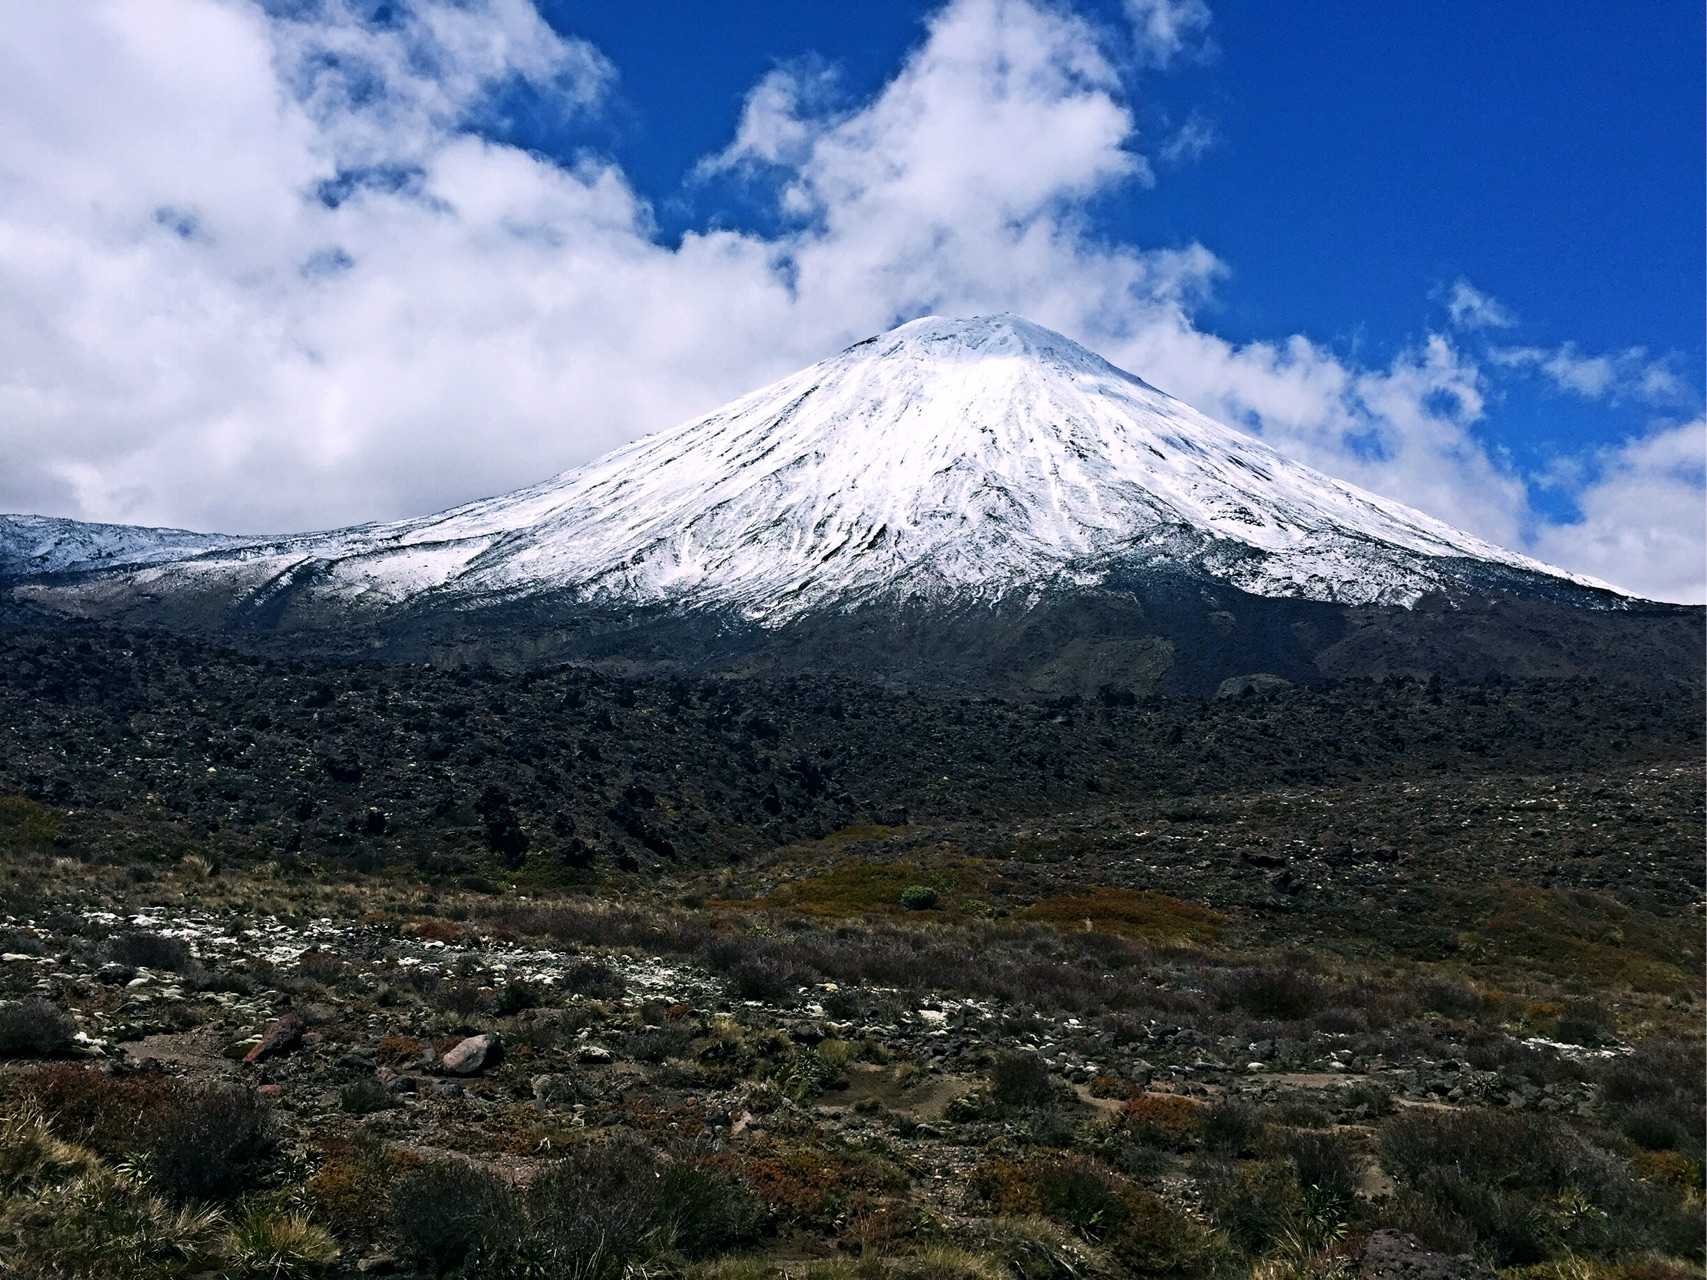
[1642,524]
[274,275]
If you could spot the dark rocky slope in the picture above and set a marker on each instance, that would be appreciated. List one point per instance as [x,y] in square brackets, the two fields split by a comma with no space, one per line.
[557,769]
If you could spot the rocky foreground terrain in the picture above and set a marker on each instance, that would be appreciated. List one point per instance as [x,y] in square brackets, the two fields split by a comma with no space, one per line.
[313,970]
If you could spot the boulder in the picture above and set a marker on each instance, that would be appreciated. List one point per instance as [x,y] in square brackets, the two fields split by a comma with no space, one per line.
[473,1055]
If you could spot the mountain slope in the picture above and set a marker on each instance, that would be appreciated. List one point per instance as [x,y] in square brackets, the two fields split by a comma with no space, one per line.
[948,459]
[34,546]
[976,503]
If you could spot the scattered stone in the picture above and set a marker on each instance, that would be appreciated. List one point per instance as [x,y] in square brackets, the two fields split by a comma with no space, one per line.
[279,1039]
[1257,682]
[447,1088]
[595,1055]
[1396,1255]
[473,1055]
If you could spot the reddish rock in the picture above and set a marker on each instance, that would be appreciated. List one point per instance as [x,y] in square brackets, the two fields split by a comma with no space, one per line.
[473,1055]
[283,1036]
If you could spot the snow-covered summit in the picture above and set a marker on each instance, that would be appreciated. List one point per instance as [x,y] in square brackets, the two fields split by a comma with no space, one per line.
[964,458]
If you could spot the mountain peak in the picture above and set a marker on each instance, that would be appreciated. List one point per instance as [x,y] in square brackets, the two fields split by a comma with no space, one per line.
[1000,334]
[947,460]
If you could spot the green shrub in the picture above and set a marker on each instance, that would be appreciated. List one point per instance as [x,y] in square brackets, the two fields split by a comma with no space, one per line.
[1255,1203]
[1328,1168]
[1019,1081]
[1232,1128]
[1142,1233]
[1524,1188]
[24,824]
[364,1097]
[918,897]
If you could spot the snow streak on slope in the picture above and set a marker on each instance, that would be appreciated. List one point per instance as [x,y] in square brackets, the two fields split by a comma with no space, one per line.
[944,459]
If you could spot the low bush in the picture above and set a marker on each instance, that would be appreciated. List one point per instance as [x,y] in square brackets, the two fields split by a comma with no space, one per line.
[1142,1234]
[208,1142]
[1523,1188]
[594,979]
[1586,1022]
[518,996]
[1328,1168]
[24,824]
[453,1214]
[1369,1097]
[763,978]
[141,949]
[1232,1128]
[364,1097]
[34,1028]
[352,1187]
[919,897]
[1020,1080]
[1162,1120]
[599,1213]
[658,1044]
[1271,991]
[1449,996]
[814,1186]
[108,1114]
[1070,1189]
[1657,1096]
[1254,1202]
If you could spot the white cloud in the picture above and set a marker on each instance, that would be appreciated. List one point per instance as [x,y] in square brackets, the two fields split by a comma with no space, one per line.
[779,119]
[271,277]
[1643,519]
[1168,29]
[1190,141]
[1617,375]
[1470,308]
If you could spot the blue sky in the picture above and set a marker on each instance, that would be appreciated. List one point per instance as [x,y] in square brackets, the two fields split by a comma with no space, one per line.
[1361,159]
[1450,253]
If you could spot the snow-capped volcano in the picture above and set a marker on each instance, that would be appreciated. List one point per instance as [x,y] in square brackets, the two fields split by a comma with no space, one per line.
[963,459]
